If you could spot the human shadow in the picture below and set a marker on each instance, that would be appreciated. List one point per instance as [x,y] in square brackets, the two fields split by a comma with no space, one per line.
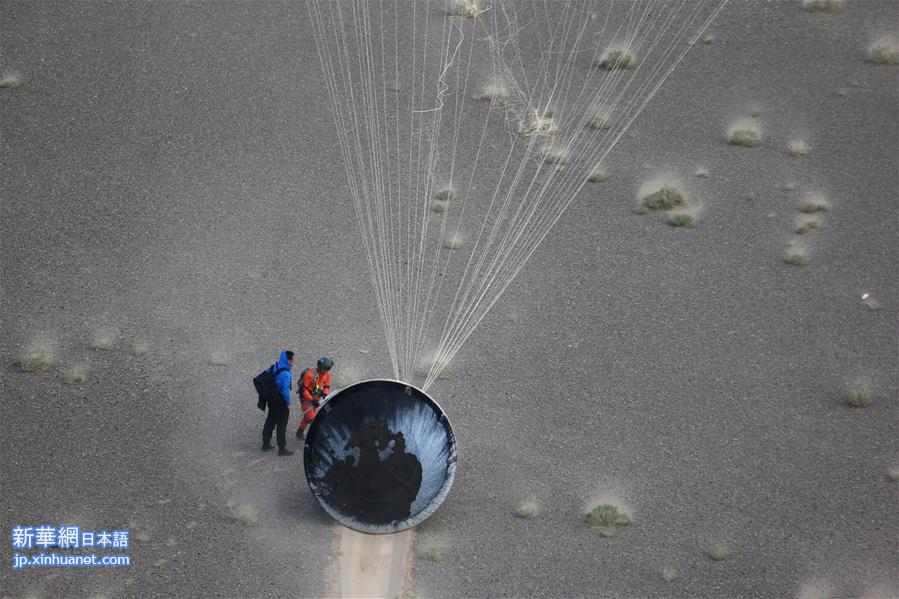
[378,482]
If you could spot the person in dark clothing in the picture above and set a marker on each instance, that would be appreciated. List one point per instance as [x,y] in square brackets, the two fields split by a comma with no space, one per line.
[279,405]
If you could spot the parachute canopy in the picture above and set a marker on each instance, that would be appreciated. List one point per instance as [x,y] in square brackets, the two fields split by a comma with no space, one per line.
[380,456]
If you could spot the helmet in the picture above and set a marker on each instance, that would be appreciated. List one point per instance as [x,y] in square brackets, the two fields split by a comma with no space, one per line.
[325,363]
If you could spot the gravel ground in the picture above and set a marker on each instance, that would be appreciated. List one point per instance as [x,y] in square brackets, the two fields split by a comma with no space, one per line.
[170,178]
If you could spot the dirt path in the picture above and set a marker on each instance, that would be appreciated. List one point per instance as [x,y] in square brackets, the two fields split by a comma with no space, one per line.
[371,565]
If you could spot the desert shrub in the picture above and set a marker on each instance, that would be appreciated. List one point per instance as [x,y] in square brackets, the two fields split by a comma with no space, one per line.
[616,59]
[665,198]
[860,395]
[683,220]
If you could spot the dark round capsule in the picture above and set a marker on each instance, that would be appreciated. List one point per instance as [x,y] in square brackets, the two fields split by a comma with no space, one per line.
[380,456]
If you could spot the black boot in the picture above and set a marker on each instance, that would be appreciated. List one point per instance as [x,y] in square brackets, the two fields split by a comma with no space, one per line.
[267,447]
[299,433]
[284,451]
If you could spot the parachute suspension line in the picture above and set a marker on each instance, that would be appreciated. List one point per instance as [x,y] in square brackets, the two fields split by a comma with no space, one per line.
[370,125]
[512,274]
[432,134]
[468,193]
[506,242]
[393,168]
[520,222]
[562,198]
[432,294]
[507,201]
[505,78]
[352,160]
[359,115]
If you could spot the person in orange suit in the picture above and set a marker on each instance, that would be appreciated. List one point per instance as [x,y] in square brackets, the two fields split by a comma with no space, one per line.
[315,385]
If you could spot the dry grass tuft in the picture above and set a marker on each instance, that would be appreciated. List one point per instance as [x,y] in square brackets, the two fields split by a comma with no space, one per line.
[445,193]
[433,553]
[104,340]
[466,9]
[797,259]
[245,514]
[36,358]
[453,242]
[598,175]
[884,53]
[718,552]
[616,59]
[823,6]
[495,92]
[606,518]
[557,156]
[10,81]
[799,148]
[76,375]
[666,198]
[860,395]
[527,510]
[744,137]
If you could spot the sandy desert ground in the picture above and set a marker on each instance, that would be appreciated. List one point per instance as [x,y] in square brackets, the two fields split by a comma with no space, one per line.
[174,212]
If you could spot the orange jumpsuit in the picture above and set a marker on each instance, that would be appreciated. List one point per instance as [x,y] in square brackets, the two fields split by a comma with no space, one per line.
[313,387]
